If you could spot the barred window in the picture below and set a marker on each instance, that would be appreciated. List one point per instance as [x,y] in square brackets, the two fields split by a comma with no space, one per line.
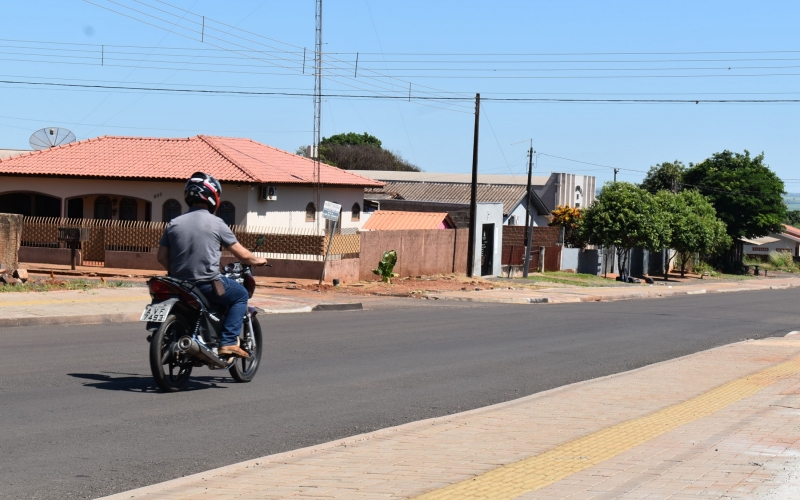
[355,213]
[170,210]
[311,212]
[102,208]
[227,212]
[128,209]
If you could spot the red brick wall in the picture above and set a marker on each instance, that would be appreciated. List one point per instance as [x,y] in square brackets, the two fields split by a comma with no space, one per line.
[543,236]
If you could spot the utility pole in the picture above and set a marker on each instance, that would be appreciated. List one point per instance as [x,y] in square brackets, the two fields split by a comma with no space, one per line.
[528,218]
[473,205]
[615,174]
[317,110]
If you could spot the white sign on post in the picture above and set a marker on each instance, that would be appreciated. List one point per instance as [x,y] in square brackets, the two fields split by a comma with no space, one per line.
[331,211]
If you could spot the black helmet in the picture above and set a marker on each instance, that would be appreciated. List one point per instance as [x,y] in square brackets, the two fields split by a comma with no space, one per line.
[205,188]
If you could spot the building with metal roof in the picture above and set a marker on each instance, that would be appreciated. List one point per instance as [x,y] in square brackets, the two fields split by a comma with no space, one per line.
[431,191]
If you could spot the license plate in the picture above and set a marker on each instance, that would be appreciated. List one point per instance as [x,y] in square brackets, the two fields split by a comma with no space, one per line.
[155,313]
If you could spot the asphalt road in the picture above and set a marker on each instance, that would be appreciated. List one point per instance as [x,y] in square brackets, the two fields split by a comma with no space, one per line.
[80,417]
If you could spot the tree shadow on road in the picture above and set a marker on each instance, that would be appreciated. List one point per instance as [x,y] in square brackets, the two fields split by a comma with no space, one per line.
[130,382]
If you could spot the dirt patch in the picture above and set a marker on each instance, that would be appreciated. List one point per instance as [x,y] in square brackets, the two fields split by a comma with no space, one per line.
[401,287]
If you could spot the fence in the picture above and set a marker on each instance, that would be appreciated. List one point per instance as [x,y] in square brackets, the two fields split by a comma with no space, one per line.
[513,253]
[142,237]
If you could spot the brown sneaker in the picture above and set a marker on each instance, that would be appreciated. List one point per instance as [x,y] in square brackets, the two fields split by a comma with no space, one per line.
[232,350]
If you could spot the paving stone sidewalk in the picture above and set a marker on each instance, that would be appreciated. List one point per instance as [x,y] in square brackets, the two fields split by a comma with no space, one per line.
[722,423]
[595,294]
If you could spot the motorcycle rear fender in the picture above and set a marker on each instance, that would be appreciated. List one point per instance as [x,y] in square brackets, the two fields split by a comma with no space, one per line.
[153,326]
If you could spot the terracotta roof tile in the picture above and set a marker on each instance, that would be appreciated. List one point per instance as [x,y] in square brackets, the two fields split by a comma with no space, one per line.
[389,220]
[227,159]
[792,231]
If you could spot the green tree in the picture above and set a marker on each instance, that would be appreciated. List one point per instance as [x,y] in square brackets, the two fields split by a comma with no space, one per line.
[746,194]
[352,139]
[664,177]
[792,218]
[352,151]
[694,226]
[625,216]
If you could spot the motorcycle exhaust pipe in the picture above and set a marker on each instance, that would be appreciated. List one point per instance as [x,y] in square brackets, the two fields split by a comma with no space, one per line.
[188,345]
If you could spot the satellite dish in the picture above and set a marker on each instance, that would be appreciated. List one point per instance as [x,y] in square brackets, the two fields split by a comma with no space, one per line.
[51,137]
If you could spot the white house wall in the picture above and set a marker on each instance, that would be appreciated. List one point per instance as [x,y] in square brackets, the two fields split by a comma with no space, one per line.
[287,211]
[783,245]
[289,207]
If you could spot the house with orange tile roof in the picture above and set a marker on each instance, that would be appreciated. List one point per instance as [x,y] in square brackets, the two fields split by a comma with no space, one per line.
[137,178]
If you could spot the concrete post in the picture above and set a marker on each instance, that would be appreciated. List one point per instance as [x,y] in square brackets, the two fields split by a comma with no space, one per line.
[10,238]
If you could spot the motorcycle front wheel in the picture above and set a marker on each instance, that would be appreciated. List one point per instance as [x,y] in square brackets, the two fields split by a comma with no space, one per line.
[170,376]
[243,370]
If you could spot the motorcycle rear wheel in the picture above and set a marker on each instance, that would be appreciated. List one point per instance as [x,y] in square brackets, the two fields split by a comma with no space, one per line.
[169,375]
[243,370]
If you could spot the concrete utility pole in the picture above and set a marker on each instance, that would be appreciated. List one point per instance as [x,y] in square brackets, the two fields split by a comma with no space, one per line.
[317,111]
[615,174]
[528,218]
[473,205]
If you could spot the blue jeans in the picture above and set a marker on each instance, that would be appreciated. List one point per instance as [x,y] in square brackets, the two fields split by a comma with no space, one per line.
[236,298]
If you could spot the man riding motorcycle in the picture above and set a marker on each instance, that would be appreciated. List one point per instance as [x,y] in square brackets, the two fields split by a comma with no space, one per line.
[191,247]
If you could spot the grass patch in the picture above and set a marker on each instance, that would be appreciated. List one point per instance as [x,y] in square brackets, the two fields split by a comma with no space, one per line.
[52,285]
[564,278]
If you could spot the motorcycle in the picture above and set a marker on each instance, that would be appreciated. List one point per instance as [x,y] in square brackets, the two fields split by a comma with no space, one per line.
[184,330]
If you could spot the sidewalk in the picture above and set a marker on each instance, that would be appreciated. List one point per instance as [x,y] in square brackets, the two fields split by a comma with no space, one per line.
[721,423]
[562,295]
[114,305]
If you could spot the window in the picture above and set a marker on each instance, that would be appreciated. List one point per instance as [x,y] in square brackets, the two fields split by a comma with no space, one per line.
[512,220]
[102,208]
[227,212]
[128,209]
[355,213]
[170,210]
[311,212]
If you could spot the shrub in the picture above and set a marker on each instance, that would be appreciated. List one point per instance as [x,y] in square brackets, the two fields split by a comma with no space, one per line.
[782,261]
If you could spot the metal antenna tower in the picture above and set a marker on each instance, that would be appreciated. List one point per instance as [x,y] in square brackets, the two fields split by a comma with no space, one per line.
[317,107]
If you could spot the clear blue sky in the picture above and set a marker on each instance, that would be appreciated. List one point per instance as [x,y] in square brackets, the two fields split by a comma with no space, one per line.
[573,49]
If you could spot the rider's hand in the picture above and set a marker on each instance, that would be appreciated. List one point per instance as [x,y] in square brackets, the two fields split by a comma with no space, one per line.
[261,261]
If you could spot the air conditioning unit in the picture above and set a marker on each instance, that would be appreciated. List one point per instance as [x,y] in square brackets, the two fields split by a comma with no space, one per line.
[268,193]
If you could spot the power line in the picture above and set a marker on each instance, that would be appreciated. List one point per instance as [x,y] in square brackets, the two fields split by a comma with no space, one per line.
[398,97]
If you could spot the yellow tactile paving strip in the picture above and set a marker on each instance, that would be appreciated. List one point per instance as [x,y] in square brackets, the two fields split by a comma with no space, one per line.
[536,472]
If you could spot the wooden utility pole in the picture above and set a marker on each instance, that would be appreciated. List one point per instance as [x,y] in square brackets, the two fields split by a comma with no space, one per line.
[473,205]
[528,218]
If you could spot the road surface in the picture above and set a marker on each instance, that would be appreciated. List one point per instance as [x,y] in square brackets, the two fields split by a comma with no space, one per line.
[80,416]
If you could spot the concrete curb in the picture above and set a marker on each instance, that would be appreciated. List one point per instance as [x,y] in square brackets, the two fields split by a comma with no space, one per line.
[102,319]
[85,319]
[567,298]
[357,306]
[296,310]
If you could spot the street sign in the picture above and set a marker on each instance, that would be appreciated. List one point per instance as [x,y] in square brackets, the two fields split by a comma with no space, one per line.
[331,211]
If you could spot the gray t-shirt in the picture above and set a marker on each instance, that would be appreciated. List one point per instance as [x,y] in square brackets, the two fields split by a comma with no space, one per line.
[195,240]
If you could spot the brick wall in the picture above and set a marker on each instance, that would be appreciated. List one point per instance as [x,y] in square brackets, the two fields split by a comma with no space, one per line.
[419,252]
[543,236]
